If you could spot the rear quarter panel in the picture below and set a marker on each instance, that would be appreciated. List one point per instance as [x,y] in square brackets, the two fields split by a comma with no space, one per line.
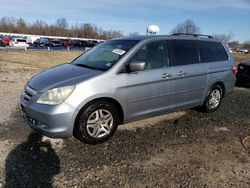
[221,72]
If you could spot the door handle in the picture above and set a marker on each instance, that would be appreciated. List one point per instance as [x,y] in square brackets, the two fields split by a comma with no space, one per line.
[181,73]
[166,75]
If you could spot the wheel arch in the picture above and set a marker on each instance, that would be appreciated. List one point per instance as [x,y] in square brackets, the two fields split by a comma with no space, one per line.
[203,108]
[108,99]
[221,84]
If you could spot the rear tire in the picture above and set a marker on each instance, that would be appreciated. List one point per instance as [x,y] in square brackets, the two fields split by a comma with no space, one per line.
[213,99]
[97,122]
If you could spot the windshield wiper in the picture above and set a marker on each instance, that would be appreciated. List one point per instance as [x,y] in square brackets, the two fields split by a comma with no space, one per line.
[89,67]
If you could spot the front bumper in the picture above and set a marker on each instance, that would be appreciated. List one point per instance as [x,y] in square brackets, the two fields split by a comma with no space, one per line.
[53,121]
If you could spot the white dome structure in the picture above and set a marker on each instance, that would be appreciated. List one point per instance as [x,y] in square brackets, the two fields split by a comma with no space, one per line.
[153,30]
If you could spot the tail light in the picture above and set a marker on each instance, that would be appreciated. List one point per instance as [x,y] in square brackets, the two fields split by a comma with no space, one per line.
[234,70]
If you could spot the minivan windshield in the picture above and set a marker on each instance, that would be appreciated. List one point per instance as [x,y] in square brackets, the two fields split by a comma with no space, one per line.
[105,55]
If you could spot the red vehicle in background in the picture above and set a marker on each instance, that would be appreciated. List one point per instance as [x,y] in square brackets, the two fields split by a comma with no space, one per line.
[67,42]
[6,41]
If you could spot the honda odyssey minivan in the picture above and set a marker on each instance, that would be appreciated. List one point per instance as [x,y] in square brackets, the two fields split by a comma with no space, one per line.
[128,79]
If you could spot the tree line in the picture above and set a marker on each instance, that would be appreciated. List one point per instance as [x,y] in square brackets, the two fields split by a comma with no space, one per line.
[88,30]
[188,26]
[59,28]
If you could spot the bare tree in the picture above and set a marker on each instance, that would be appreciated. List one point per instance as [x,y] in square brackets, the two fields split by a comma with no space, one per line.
[226,38]
[21,25]
[75,31]
[234,44]
[133,34]
[61,23]
[7,24]
[187,26]
[246,44]
[59,28]
[113,34]
[39,27]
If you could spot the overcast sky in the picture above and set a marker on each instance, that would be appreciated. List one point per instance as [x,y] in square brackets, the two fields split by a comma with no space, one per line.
[212,16]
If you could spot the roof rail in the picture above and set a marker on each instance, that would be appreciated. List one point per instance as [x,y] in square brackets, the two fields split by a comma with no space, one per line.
[192,34]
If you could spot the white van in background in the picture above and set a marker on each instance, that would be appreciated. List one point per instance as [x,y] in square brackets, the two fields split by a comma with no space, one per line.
[31,39]
[18,42]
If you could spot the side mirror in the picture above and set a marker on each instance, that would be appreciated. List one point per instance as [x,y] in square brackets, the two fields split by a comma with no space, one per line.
[137,66]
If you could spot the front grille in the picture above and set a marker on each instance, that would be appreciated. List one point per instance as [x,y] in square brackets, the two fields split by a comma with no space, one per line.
[27,94]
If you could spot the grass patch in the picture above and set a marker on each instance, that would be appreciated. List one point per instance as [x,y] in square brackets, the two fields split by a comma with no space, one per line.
[238,57]
[37,59]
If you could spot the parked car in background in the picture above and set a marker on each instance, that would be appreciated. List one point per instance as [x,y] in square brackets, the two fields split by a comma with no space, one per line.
[83,43]
[242,50]
[55,43]
[18,42]
[2,43]
[67,42]
[36,43]
[91,43]
[76,43]
[79,43]
[44,42]
[127,79]
[6,40]
[243,74]
[31,39]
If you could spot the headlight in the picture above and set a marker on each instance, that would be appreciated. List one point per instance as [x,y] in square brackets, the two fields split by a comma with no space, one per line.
[56,95]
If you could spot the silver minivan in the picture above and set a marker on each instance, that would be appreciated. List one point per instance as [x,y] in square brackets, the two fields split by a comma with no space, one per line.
[128,79]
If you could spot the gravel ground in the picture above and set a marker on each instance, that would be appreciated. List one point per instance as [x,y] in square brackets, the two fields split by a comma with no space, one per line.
[182,149]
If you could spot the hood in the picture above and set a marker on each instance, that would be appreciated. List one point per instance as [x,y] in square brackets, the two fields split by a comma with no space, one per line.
[62,75]
[247,62]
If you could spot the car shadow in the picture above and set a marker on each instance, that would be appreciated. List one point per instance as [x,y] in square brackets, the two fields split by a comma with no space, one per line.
[31,164]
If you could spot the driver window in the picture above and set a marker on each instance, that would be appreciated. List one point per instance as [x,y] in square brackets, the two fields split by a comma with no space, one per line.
[154,54]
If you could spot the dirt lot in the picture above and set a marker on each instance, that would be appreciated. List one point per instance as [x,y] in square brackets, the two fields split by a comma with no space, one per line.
[182,149]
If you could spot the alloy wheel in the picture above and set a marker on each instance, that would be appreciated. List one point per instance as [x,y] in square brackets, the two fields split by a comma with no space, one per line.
[100,123]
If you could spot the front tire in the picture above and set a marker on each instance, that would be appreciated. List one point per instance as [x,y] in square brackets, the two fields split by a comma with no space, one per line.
[97,122]
[213,99]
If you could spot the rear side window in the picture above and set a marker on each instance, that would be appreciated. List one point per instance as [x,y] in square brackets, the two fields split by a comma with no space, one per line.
[212,51]
[184,52]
